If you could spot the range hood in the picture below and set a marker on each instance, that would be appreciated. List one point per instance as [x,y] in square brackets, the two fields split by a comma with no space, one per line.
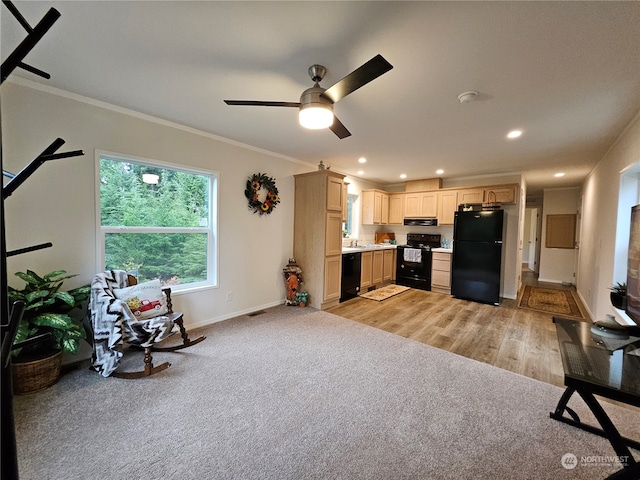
[421,222]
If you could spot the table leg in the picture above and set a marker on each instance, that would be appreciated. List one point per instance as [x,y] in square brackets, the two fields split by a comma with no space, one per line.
[562,406]
[631,473]
[618,442]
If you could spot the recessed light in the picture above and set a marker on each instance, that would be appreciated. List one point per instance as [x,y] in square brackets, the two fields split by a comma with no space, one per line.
[514,134]
[403,175]
[559,174]
[362,160]
[440,171]
[360,172]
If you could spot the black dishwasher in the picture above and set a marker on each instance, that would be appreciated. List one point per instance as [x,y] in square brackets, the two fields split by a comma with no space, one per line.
[350,275]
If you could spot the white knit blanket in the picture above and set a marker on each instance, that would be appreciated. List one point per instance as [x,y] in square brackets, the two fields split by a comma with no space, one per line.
[113,323]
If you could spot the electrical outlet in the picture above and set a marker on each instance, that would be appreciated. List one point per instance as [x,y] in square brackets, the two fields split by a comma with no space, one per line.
[229,296]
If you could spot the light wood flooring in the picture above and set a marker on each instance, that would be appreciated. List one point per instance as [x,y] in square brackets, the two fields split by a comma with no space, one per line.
[508,337]
[505,336]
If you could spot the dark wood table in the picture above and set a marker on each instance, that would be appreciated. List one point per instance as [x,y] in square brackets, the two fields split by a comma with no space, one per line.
[597,362]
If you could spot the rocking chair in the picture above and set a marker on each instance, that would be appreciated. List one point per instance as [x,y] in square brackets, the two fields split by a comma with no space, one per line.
[113,322]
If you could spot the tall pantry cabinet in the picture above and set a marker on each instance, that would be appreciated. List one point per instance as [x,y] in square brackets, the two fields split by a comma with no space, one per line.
[317,234]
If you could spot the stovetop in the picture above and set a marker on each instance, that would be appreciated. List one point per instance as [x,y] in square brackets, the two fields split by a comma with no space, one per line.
[423,240]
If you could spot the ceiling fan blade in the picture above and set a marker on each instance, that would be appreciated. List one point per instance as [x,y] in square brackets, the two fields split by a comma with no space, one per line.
[255,103]
[358,78]
[339,129]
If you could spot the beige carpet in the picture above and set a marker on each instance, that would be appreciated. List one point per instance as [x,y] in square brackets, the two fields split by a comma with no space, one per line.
[383,293]
[296,393]
[550,300]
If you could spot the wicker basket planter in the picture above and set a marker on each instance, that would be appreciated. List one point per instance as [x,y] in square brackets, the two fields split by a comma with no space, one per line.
[34,375]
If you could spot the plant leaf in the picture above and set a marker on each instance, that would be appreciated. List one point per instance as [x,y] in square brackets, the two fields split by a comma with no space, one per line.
[70,345]
[53,320]
[30,277]
[51,277]
[66,297]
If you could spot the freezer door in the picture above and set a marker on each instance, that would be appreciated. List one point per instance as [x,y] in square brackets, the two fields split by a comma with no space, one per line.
[475,271]
[478,226]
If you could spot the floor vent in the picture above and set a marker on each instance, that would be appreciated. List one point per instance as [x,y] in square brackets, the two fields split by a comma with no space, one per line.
[257,312]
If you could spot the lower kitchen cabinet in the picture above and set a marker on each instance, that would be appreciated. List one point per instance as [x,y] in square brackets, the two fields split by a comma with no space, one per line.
[441,273]
[378,267]
[366,271]
[332,272]
[388,265]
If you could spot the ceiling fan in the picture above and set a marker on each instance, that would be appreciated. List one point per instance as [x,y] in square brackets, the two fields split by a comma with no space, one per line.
[316,103]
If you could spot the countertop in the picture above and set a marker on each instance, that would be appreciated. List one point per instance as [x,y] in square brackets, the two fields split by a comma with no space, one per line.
[384,246]
[366,248]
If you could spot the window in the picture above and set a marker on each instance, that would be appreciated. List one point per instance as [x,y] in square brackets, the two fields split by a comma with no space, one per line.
[348,225]
[157,221]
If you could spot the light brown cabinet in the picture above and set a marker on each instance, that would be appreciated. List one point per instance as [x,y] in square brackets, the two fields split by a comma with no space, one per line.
[332,278]
[335,192]
[503,194]
[344,201]
[447,206]
[333,234]
[382,208]
[317,234]
[470,195]
[421,204]
[388,265]
[378,267]
[366,271]
[441,273]
[396,209]
[375,207]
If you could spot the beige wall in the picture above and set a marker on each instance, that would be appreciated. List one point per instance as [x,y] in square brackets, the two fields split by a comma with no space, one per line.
[57,203]
[557,264]
[600,194]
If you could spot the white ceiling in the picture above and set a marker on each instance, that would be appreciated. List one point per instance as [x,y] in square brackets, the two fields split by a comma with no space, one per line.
[566,73]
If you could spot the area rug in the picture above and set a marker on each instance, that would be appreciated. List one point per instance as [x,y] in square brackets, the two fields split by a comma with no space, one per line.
[383,293]
[550,300]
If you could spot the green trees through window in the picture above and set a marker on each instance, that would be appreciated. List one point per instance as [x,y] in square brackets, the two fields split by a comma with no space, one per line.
[157,221]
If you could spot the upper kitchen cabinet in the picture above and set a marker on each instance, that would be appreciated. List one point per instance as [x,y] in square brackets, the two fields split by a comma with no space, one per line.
[317,234]
[447,206]
[335,193]
[504,194]
[471,195]
[375,207]
[421,204]
[396,208]
[344,201]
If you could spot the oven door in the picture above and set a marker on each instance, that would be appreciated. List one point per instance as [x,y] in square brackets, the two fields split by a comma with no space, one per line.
[413,267]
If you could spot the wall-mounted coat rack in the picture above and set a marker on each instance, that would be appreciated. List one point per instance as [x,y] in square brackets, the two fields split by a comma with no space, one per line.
[10,316]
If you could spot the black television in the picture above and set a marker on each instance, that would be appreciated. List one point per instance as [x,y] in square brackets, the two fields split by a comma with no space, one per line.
[633,268]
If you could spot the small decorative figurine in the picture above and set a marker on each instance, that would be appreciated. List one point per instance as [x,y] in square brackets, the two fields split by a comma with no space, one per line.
[292,279]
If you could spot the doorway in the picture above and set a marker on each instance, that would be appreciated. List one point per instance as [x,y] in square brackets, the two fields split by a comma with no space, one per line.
[531,247]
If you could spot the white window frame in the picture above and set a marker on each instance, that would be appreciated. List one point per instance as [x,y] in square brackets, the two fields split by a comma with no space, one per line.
[211,231]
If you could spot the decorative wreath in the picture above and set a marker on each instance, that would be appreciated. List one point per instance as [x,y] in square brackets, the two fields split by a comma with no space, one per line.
[257,182]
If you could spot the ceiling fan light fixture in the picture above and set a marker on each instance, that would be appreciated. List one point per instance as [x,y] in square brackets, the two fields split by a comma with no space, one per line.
[316,116]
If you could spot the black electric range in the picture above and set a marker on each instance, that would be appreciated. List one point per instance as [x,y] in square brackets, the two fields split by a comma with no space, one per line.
[413,265]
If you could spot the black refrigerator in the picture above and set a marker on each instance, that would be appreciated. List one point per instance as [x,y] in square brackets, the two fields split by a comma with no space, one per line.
[477,255]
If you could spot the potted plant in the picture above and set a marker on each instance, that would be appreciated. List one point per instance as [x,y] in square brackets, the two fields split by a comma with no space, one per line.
[47,309]
[618,295]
